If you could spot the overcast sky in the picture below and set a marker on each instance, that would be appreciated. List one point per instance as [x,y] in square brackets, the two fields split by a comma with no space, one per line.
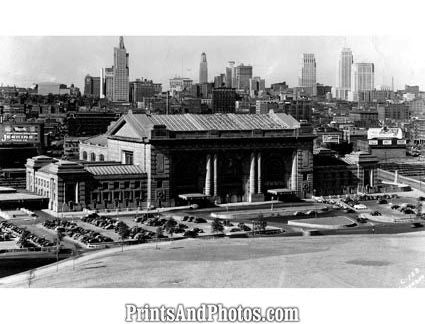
[28,60]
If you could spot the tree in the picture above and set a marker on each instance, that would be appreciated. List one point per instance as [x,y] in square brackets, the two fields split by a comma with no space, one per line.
[419,209]
[159,232]
[260,223]
[217,226]
[170,224]
[23,239]
[123,232]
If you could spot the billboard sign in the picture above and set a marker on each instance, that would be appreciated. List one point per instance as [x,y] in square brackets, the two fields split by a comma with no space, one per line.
[330,138]
[19,133]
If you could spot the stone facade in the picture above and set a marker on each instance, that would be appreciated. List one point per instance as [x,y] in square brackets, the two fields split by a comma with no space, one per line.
[236,159]
[356,172]
[74,186]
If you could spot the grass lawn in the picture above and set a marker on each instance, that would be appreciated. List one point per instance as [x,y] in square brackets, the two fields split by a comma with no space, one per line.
[327,261]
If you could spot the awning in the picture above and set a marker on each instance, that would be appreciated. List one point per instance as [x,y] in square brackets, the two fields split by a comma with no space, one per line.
[281,191]
[192,196]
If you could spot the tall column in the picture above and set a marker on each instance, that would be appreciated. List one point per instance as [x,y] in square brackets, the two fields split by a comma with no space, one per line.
[77,192]
[252,175]
[372,179]
[215,175]
[259,173]
[294,171]
[207,187]
[64,192]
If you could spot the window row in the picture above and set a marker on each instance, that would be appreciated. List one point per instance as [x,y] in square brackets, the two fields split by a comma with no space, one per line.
[92,157]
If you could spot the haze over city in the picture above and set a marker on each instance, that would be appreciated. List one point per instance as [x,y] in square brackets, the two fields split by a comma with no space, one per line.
[29,60]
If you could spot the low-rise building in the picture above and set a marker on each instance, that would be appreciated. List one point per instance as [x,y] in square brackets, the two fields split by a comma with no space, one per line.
[393,112]
[384,143]
[353,173]
[77,185]
[365,118]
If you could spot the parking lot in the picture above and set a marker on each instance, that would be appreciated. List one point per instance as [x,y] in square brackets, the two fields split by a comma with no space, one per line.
[389,208]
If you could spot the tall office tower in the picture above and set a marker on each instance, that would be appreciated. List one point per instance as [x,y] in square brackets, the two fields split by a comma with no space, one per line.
[102,83]
[344,74]
[308,75]
[92,86]
[230,74]
[203,69]
[220,81]
[362,81]
[107,83]
[257,86]
[243,73]
[121,73]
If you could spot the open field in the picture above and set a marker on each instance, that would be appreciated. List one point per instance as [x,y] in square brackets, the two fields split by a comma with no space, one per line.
[327,261]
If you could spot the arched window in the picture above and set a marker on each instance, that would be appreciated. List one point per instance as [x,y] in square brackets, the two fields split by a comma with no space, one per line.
[84,155]
[92,156]
[101,157]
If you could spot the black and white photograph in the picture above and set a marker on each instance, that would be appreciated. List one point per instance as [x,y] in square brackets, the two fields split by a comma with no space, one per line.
[136,161]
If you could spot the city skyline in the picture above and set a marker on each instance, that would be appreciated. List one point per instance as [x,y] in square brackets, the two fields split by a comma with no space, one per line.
[26,61]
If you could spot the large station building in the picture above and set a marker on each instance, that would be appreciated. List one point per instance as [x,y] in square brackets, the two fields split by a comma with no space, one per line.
[224,157]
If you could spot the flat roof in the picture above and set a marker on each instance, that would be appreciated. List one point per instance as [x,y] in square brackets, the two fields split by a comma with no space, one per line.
[15,196]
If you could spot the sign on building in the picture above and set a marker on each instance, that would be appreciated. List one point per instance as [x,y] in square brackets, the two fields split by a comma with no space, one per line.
[330,138]
[19,133]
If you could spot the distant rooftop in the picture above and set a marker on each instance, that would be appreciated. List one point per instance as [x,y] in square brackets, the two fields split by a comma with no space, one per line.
[101,140]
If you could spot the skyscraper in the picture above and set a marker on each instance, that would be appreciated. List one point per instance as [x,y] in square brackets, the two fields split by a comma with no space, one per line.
[308,74]
[92,86]
[220,81]
[230,74]
[243,73]
[256,86]
[121,73]
[344,74]
[203,69]
[107,83]
[362,81]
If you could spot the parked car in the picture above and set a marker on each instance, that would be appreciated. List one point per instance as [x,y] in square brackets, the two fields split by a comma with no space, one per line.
[359,206]
[361,219]
[408,211]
